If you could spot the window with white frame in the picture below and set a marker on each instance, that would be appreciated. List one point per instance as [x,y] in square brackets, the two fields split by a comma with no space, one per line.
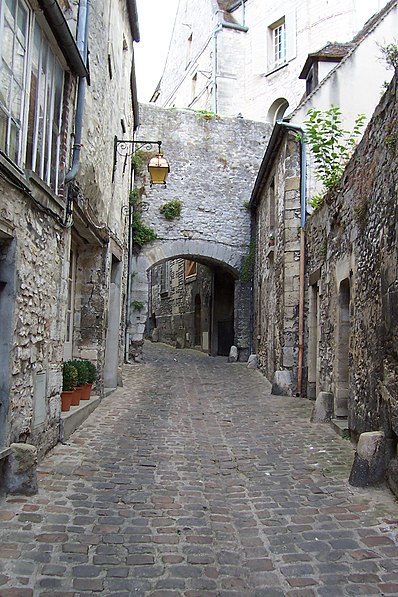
[278,33]
[31,91]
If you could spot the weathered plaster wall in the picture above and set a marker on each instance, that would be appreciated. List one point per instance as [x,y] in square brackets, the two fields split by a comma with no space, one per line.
[353,238]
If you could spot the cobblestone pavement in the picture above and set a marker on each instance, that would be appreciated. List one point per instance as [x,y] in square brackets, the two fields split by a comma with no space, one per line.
[192,481]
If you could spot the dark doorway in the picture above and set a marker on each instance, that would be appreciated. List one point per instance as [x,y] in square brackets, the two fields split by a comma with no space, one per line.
[223,312]
[198,321]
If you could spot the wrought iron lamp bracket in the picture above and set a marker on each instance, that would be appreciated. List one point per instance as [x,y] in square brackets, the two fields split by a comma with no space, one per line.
[127,148]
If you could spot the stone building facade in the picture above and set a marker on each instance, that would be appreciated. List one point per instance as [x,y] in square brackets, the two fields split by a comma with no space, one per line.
[63,227]
[352,253]
[280,203]
[245,56]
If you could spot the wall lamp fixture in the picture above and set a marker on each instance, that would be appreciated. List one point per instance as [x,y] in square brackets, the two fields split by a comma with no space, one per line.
[158,166]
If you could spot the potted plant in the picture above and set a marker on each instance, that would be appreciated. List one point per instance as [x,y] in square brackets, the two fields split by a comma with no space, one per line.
[69,381]
[91,376]
[82,373]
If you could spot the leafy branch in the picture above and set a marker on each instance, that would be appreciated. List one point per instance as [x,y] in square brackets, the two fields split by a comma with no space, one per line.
[330,143]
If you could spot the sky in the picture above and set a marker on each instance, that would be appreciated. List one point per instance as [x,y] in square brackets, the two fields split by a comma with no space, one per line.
[156,20]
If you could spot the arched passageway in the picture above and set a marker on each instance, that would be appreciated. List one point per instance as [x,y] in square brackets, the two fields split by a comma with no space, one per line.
[190,299]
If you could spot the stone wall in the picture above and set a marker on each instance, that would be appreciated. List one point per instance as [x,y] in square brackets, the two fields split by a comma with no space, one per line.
[213,162]
[353,266]
[174,306]
[37,231]
[276,279]
[33,262]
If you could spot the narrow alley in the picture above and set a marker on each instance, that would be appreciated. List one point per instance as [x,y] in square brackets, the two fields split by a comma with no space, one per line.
[193,481]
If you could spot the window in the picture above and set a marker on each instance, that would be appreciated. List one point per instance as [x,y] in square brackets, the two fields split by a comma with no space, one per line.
[278,31]
[191,269]
[14,40]
[29,131]
[164,275]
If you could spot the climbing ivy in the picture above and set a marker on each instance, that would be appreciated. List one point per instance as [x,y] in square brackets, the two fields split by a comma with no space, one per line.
[246,271]
[141,232]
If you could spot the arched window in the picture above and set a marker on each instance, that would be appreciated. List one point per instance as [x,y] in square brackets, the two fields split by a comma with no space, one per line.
[277,110]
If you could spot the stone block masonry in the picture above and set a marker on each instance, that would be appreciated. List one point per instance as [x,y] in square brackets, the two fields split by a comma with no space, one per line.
[214,162]
[352,252]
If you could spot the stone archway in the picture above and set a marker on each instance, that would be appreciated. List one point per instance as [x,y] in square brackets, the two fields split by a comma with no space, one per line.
[208,253]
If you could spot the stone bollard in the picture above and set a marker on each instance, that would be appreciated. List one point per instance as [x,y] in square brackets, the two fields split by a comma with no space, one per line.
[252,362]
[282,383]
[371,459]
[233,355]
[21,470]
[323,408]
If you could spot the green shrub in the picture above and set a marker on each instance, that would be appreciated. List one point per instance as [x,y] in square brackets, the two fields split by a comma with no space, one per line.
[69,376]
[82,371]
[171,210]
[91,372]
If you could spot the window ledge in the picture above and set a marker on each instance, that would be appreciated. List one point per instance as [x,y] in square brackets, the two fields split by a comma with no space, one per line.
[275,69]
[44,189]
[189,279]
[15,174]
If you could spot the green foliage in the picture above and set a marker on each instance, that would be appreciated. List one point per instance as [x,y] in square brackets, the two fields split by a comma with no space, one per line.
[330,144]
[82,371]
[134,196]
[392,140]
[137,305]
[172,209]
[206,114]
[69,376]
[316,201]
[91,372]
[141,232]
[389,53]
[139,161]
[246,271]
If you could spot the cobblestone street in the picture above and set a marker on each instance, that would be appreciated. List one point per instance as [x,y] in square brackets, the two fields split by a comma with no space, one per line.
[192,481]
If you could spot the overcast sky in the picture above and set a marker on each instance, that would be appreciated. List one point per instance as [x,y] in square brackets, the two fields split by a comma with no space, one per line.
[156,20]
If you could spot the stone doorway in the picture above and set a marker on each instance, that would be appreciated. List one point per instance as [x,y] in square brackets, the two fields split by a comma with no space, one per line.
[343,352]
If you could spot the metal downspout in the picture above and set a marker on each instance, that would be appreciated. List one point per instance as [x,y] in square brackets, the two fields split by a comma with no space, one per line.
[82,42]
[303,210]
[214,101]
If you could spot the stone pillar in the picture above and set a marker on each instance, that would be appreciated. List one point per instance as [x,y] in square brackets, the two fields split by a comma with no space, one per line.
[21,470]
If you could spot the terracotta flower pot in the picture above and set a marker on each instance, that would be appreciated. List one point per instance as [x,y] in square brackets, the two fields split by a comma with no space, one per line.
[66,399]
[77,395]
[86,391]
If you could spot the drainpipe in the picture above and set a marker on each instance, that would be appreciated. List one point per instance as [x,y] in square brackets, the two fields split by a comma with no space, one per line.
[214,103]
[303,203]
[82,43]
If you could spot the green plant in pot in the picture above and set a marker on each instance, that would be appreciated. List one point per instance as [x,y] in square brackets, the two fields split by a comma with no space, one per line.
[82,375]
[91,378]
[69,383]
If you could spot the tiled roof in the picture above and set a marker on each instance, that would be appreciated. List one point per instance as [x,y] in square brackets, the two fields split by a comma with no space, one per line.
[332,52]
